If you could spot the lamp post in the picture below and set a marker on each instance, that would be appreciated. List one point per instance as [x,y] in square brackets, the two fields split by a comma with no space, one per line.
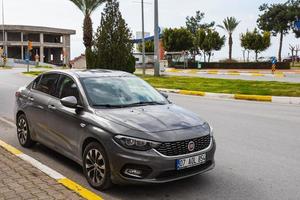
[143,39]
[3,37]
[156,40]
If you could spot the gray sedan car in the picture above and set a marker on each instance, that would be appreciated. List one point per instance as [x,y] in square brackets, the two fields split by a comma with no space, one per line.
[115,125]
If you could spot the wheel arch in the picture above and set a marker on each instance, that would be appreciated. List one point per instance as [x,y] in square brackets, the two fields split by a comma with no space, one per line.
[87,141]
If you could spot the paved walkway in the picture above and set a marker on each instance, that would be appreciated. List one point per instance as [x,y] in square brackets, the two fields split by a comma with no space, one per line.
[292,76]
[20,180]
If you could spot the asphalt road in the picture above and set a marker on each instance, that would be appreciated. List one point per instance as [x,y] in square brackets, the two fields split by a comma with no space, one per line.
[258,151]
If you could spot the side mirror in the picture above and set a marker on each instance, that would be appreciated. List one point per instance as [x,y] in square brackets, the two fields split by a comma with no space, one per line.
[164,94]
[69,102]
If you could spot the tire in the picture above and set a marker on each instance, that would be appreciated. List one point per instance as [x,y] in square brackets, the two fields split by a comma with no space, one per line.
[97,173]
[23,132]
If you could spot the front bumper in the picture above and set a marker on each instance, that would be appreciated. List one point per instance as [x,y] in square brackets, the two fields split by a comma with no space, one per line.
[158,168]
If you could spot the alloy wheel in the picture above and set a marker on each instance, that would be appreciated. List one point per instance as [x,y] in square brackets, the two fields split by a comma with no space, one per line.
[95,166]
[22,130]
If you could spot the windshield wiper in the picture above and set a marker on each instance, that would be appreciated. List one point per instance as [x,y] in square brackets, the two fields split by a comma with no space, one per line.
[108,105]
[142,103]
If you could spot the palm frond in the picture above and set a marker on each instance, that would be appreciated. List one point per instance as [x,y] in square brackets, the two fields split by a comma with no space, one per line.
[88,6]
[229,24]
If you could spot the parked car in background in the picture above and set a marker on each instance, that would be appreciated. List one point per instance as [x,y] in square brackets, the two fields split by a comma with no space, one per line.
[265,59]
[291,59]
[115,125]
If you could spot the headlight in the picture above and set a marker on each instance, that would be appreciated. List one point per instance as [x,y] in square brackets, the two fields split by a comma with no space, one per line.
[208,128]
[136,144]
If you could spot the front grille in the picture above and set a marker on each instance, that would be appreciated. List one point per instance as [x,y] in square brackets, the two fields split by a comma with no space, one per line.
[181,147]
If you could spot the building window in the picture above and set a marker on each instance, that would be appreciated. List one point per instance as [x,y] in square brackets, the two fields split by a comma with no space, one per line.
[14,36]
[48,38]
[33,37]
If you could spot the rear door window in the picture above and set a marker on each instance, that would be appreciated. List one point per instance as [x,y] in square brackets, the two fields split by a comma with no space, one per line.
[48,84]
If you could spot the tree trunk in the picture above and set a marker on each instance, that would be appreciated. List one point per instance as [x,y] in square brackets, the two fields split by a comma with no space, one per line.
[209,56]
[87,31]
[280,46]
[88,39]
[230,46]
[293,58]
[204,56]
[248,57]
[256,56]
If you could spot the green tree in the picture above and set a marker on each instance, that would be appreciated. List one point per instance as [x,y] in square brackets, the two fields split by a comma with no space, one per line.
[87,7]
[229,25]
[193,24]
[113,45]
[149,47]
[209,40]
[256,41]
[177,39]
[295,12]
[276,18]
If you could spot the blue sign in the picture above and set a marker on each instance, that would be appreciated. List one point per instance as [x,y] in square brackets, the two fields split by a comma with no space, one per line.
[297,25]
[274,60]
[27,56]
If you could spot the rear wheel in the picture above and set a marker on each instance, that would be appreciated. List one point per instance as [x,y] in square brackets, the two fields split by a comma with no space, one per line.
[96,166]
[23,132]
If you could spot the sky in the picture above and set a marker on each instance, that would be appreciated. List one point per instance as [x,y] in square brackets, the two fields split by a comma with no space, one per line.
[172,13]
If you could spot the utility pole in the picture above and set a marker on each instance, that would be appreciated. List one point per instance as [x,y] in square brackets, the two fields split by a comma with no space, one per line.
[156,40]
[143,39]
[3,34]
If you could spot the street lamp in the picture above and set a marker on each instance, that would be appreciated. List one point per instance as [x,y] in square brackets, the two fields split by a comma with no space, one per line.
[143,39]
[3,32]
[156,40]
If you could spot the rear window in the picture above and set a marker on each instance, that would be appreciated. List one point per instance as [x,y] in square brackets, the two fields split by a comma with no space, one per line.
[47,84]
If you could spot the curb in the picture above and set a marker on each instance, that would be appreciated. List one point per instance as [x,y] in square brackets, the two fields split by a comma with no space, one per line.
[272,99]
[71,185]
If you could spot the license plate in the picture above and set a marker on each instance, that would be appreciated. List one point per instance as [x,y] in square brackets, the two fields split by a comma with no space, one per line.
[190,162]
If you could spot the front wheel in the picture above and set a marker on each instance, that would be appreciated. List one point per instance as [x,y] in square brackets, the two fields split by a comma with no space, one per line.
[96,166]
[23,132]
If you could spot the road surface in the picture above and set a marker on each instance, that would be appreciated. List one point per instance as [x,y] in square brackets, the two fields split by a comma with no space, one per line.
[258,151]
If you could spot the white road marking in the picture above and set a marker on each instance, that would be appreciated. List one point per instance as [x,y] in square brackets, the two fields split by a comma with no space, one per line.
[47,170]
[7,122]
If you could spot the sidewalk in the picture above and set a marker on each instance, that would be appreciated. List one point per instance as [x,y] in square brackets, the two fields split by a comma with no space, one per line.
[20,180]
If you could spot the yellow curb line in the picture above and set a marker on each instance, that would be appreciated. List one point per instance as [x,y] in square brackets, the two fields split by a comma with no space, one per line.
[232,96]
[196,93]
[234,73]
[257,74]
[28,75]
[253,97]
[193,71]
[10,148]
[71,185]
[79,189]
[212,72]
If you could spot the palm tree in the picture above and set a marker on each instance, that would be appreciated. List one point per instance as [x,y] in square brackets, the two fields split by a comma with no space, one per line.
[87,7]
[229,25]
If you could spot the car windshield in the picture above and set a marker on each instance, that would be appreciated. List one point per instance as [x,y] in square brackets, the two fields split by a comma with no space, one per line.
[121,92]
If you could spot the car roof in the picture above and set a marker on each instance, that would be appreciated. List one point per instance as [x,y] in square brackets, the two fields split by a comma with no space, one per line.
[93,73]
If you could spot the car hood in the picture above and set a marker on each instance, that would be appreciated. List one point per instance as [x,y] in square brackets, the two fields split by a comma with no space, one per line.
[152,119]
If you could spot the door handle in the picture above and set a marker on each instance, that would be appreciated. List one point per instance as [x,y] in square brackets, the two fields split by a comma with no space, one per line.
[51,107]
[31,98]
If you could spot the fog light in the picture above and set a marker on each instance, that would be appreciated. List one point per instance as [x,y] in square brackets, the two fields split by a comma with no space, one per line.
[134,173]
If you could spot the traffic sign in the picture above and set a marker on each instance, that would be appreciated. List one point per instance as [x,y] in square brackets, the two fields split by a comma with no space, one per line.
[297,25]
